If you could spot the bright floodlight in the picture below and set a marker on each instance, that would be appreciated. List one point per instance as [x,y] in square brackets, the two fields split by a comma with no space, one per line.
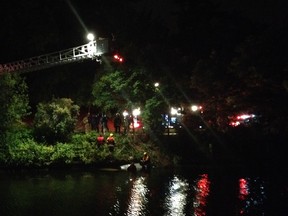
[194,108]
[90,37]
[125,113]
[156,84]
[136,112]
[173,111]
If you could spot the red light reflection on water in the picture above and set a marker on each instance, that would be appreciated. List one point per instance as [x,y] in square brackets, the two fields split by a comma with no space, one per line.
[202,192]
[252,196]
[243,192]
[243,189]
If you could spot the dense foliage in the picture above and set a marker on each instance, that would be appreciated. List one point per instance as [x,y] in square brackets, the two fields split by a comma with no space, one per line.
[52,141]
[126,90]
[229,56]
[55,121]
[82,149]
[13,99]
[14,107]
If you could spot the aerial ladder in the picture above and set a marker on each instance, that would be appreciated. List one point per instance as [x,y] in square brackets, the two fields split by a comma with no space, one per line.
[92,50]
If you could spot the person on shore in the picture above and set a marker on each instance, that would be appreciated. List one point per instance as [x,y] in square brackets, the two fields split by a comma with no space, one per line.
[111,142]
[126,124]
[117,123]
[100,140]
[95,121]
[104,124]
[86,122]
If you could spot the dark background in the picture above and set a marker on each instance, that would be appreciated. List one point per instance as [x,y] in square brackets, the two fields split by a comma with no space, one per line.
[167,37]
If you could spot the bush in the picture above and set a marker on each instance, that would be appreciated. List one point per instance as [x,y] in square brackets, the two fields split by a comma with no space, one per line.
[29,153]
[63,153]
[87,150]
[14,100]
[14,106]
[23,150]
[55,121]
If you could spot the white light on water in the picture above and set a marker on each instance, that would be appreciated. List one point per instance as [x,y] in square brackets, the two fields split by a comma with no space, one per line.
[176,198]
[138,197]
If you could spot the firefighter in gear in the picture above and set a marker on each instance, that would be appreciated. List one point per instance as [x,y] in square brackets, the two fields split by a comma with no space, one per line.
[111,142]
[145,162]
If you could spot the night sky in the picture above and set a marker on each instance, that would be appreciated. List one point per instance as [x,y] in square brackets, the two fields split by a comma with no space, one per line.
[169,36]
[30,28]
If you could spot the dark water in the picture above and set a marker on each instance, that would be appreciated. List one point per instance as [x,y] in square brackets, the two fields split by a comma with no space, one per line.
[160,192]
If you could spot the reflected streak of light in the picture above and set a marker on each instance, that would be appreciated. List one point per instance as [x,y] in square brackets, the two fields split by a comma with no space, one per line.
[177,197]
[243,192]
[138,198]
[243,189]
[251,194]
[116,207]
[202,192]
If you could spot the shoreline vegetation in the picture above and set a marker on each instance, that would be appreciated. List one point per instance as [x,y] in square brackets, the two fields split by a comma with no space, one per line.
[82,151]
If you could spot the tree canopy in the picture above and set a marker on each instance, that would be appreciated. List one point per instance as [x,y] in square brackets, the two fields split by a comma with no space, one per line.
[14,101]
[230,55]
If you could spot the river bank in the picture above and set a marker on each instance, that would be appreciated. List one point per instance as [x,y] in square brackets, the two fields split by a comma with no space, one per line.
[201,151]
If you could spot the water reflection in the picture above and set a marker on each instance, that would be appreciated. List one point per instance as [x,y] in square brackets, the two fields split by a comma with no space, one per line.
[176,198]
[138,197]
[161,192]
[202,189]
[252,196]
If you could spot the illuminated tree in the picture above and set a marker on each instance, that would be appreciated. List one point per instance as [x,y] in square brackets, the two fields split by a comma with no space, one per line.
[55,121]
[13,99]
[123,90]
[14,107]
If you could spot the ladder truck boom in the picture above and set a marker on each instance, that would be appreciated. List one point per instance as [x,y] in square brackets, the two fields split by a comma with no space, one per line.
[92,50]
